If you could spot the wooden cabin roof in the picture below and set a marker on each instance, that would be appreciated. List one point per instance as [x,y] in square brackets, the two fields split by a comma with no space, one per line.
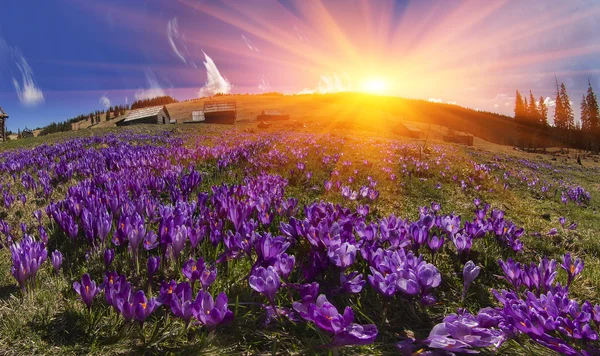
[145,112]
[215,106]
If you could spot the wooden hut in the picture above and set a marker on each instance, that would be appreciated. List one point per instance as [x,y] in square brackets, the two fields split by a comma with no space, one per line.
[26,133]
[272,115]
[408,130]
[461,138]
[220,112]
[151,115]
[3,117]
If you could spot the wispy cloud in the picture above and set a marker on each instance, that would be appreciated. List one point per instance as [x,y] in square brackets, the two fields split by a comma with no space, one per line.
[300,37]
[264,84]
[215,82]
[177,42]
[250,46]
[154,89]
[105,101]
[27,90]
[330,84]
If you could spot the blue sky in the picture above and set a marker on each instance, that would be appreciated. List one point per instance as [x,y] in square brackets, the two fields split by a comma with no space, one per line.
[59,58]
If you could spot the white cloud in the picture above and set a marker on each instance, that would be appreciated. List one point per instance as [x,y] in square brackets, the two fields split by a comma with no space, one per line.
[177,41]
[105,101]
[154,89]
[496,106]
[215,82]
[250,46]
[28,92]
[330,84]
[264,84]
[549,102]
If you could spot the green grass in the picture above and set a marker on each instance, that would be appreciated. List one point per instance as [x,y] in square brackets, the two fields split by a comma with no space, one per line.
[50,320]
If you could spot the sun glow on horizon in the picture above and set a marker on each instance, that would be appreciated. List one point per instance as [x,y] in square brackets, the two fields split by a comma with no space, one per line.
[374,85]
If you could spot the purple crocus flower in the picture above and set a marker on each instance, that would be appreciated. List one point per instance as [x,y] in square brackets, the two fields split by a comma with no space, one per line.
[87,289]
[573,268]
[343,256]
[153,264]
[463,242]
[470,272]
[199,271]
[181,301]
[179,239]
[352,283]
[166,292]
[211,312]
[142,307]
[326,316]
[385,283]
[265,281]
[57,259]
[109,256]
[562,220]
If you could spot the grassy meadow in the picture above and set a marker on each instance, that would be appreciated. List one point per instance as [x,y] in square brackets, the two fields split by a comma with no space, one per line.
[353,149]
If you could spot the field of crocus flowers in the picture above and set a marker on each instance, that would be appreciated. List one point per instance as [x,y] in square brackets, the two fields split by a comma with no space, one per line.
[294,242]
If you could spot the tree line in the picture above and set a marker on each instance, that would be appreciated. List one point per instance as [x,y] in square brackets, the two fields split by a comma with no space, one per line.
[533,130]
[159,100]
[112,112]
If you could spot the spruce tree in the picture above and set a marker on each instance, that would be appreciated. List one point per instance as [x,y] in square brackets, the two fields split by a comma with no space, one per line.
[593,111]
[532,112]
[519,107]
[543,112]
[569,117]
[558,109]
[585,120]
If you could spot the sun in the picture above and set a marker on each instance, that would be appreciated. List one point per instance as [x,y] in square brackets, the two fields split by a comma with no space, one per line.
[374,85]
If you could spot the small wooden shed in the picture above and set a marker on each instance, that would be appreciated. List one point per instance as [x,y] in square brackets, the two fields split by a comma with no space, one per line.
[220,112]
[272,115]
[3,117]
[408,130]
[151,115]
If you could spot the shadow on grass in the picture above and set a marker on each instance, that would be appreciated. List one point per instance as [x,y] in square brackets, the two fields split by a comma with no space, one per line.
[7,290]
[67,328]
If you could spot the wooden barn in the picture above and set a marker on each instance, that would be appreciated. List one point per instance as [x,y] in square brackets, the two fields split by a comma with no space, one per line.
[26,133]
[197,117]
[408,130]
[152,115]
[461,138]
[3,117]
[271,115]
[220,112]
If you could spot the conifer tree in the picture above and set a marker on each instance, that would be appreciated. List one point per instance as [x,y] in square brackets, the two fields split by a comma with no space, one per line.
[519,107]
[585,121]
[593,112]
[532,112]
[569,117]
[558,109]
[543,112]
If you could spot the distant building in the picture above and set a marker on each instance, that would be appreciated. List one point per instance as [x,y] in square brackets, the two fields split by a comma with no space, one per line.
[152,115]
[461,138]
[220,112]
[197,117]
[408,130]
[26,133]
[271,115]
[3,117]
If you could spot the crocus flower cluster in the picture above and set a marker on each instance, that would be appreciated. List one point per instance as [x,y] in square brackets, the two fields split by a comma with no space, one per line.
[326,316]
[27,258]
